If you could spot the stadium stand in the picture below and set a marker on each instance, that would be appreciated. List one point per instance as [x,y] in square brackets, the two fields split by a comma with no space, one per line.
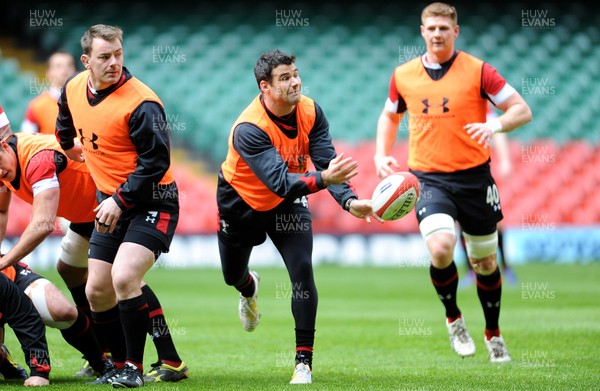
[199,60]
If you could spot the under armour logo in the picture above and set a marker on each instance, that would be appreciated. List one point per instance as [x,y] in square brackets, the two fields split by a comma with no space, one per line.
[304,201]
[224,226]
[151,218]
[422,210]
[84,139]
[431,106]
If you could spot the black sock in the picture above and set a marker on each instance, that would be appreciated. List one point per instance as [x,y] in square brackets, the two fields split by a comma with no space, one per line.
[81,336]
[445,282]
[38,361]
[107,325]
[305,340]
[248,287]
[489,290]
[158,328]
[82,303]
[134,319]
[80,299]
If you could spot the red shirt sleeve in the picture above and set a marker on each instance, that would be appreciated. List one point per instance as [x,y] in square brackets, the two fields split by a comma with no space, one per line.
[491,81]
[41,166]
[394,97]
[393,94]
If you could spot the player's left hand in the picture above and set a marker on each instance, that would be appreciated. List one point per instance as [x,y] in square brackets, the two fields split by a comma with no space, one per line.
[108,214]
[385,165]
[75,153]
[340,170]
[480,132]
[363,209]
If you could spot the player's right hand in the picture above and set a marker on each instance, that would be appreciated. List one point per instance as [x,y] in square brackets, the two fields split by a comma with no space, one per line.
[75,153]
[385,165]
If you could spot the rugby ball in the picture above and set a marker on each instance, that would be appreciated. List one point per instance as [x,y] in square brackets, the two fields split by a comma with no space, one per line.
[395,195]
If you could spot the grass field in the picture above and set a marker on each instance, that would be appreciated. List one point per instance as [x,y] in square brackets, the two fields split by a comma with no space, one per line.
[377,329]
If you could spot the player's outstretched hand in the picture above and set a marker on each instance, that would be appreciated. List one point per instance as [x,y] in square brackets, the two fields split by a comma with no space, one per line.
[385,165]
[340,170]
[363,209]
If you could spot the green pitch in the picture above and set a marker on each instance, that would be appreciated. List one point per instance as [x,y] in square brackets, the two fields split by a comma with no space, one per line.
[376,329]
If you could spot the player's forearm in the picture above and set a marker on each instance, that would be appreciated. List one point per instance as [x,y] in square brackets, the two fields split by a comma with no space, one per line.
[516,115]
[292,185]
[3,225]
[65,129]
[387,128]
[34,234]
[141,186]
[5,131]
[342,193]
[66,137]
[5,197]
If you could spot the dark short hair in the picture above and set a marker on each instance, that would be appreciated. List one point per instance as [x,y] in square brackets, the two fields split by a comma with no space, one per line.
[263,70]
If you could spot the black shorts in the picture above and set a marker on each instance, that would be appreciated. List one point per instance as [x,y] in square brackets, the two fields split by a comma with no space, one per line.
[287,219]
[83,229]
[25,276]
[151,226]
[469,196]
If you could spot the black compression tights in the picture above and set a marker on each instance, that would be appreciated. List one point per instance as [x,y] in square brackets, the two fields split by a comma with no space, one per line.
[296,251]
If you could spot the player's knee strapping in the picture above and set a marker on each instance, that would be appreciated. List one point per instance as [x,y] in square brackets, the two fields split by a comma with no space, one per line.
[74,249]
[481,246]
[37,293]
[437,223]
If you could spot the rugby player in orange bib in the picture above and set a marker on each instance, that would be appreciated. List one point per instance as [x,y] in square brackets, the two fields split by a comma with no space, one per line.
[262,189]
[40,116]
[30,167]
[122,135]
[35,169]
[445,94]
